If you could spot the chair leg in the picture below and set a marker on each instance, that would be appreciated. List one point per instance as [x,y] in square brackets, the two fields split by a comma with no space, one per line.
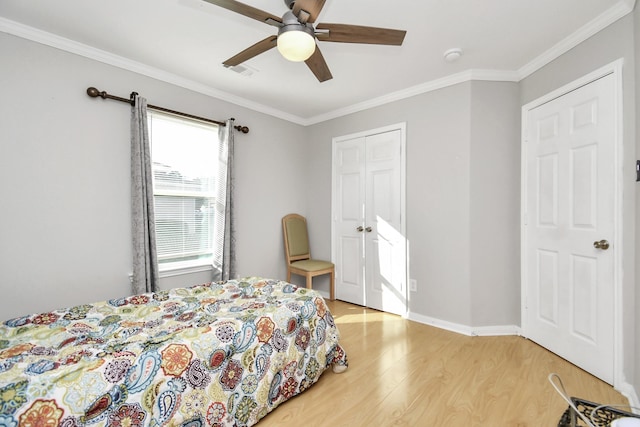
[288,275]
[309,281]
[332,286]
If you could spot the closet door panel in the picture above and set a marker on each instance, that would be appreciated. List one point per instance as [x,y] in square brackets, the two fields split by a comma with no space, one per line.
[368,231]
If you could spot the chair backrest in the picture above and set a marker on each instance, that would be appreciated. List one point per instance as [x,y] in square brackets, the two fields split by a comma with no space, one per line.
[296,239]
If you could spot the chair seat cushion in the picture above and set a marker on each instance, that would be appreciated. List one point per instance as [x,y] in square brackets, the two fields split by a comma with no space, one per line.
[312,265]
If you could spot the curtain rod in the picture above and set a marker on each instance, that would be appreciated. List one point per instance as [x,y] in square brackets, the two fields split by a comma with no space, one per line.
[94,93]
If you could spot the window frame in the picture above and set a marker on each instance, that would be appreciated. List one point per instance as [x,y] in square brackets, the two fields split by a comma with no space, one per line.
[176,268]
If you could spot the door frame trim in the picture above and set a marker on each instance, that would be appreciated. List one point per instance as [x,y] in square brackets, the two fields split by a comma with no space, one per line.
[615,68]
[402,127]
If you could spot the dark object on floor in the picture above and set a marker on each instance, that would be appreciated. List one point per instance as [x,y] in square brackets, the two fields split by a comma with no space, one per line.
[599,414]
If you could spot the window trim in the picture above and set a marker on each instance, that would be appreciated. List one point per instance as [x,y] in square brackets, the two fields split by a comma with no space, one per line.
[178,268]
[183,268]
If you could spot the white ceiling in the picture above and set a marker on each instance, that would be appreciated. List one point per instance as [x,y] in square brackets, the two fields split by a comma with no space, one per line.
[185,42]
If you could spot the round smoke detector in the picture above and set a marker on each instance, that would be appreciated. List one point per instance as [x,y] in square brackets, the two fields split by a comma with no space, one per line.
[453,54]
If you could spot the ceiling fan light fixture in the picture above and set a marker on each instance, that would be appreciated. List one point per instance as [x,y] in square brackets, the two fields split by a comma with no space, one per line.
[296,42]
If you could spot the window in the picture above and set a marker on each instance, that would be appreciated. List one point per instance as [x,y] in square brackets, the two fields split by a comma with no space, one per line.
[184,162]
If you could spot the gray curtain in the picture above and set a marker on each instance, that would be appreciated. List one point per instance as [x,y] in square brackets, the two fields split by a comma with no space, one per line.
[224,256]
[145,257]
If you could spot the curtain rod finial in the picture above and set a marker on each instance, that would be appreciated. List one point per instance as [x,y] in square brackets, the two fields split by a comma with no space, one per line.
[94,93]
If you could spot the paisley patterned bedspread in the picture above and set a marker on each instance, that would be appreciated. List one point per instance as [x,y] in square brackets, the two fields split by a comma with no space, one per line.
[217,354]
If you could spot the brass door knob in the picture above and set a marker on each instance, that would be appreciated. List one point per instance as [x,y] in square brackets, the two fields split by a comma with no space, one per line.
[602,244]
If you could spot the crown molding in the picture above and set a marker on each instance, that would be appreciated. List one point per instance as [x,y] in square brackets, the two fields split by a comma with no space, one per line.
[596,25]
[71,46]
[631,4]
[464,76]
[610,16]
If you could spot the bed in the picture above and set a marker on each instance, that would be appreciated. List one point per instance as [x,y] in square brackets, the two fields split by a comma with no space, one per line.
[216,354]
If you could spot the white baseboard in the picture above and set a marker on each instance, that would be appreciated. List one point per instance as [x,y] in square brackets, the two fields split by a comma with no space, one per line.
[630,393]
[464,329]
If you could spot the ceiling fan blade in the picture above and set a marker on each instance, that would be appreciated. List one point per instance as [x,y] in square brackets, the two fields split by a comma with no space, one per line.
[246,10]
[318,66]
[344,33]
[255,50]
[312,7]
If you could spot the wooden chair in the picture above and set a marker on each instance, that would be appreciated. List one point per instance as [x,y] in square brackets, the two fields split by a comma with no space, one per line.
[298,255]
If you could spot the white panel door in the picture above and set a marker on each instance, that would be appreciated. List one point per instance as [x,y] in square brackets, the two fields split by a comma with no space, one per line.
[385,245]
[349,170]
[368,231]
[568,284]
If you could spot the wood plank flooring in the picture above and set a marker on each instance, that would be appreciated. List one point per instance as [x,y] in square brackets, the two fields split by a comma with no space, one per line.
[403,373]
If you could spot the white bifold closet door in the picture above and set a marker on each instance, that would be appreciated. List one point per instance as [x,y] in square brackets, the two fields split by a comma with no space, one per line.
[369,241]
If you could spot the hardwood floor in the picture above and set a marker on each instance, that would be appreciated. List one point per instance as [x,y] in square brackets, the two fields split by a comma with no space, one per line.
[403,373]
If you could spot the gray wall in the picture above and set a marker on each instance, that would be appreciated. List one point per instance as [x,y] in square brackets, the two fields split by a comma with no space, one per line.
[67,218]
[462,187]
[610,44]
[64,165]
[495,204]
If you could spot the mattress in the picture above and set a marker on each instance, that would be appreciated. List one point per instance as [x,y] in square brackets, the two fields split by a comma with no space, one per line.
[216,354]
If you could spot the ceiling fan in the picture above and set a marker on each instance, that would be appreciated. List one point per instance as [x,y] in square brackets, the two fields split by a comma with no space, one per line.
[296,39]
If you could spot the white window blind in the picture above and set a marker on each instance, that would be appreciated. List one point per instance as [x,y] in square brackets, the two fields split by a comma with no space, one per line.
[184,159]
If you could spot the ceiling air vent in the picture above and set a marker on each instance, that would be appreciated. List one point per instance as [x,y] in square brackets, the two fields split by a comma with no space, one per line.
[245,70]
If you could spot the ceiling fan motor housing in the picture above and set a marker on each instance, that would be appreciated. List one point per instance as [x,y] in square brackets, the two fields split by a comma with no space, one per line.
[289,3]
